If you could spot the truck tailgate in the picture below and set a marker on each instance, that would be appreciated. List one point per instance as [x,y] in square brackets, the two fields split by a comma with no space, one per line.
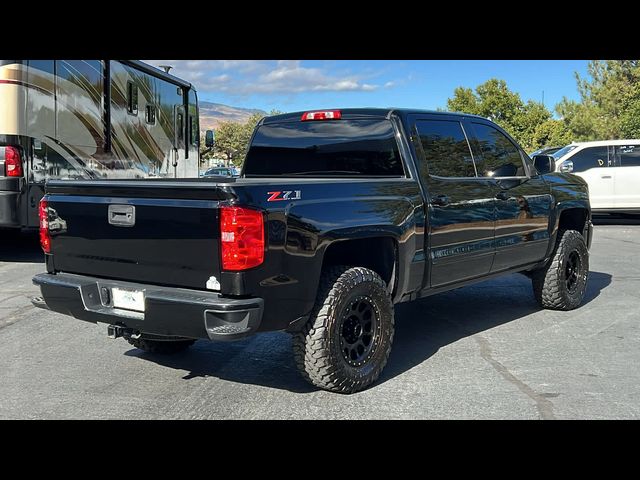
[152,231]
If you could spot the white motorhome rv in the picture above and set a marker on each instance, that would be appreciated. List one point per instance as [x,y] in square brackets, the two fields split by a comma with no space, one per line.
[93,119]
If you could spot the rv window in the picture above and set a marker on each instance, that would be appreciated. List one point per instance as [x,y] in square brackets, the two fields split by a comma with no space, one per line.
[132,98]
[194,131]
[151,114]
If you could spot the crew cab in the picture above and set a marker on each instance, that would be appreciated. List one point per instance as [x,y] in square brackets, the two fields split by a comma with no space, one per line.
[337,216]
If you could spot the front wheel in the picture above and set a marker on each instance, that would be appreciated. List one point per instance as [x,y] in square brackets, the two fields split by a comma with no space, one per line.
[346,342]
[561,284]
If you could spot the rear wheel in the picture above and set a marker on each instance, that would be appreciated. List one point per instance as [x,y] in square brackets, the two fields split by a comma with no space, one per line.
[347,340]
[561,284]
[160,345]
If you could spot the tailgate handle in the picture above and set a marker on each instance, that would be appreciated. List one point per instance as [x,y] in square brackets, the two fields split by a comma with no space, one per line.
[122,215]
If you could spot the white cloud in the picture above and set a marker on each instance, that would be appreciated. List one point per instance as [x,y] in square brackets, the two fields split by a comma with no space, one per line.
[247,77]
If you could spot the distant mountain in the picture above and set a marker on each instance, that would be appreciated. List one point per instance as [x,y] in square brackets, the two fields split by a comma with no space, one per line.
[212,114]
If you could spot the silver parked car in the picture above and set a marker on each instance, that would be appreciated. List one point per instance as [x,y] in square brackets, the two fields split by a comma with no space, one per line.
[220,171]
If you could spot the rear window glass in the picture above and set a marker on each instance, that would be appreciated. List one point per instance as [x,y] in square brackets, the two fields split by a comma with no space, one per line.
[325,148]
[630,155]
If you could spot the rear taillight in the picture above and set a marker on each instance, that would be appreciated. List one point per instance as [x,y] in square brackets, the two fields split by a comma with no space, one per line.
[323,115]
[45,238]
[242,238]
[12,162]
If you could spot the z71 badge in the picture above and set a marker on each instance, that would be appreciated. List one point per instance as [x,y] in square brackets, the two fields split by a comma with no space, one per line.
[284,195]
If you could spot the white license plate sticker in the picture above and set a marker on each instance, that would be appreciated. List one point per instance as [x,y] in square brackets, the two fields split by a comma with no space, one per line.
[128,299]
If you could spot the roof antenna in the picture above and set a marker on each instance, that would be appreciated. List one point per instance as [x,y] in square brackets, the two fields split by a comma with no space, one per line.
[166,68]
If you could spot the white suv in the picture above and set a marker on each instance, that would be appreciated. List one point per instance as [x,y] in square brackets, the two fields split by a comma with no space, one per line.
[612,170]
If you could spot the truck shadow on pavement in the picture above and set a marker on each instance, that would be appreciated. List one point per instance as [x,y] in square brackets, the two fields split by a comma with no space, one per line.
[451,316]
[422,328]
[24,247]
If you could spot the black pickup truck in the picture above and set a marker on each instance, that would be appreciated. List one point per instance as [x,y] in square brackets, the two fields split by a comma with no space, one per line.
[337,216]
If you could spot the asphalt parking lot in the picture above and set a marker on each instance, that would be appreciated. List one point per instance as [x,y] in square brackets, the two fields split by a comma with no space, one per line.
[485,351]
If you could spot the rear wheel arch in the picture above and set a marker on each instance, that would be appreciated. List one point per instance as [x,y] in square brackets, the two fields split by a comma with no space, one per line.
[377,253]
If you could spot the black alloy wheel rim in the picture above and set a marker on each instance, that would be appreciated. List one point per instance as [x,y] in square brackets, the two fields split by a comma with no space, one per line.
[572,271]
[359,325]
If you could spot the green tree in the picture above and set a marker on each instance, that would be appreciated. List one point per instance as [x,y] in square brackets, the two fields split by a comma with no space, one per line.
[493,99]
[464,100]
[609,101]
[551,133]
[498,103]
[230,141]
[525,123]
[232,138]
[249,126]
[630,117]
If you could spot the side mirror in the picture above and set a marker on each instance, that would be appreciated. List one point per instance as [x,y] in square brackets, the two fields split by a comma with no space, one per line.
[544,163]
[566,166]
[209,139]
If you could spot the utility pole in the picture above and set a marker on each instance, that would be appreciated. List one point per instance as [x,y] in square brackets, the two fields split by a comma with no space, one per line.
[543,98]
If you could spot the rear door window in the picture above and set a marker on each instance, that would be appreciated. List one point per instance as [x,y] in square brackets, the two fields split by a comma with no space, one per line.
[629,155]
[445,148]
[346,147]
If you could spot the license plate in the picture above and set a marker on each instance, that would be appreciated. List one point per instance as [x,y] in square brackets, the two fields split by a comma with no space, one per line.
[128,299]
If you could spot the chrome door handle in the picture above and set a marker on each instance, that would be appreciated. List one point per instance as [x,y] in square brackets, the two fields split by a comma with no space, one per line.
[440,200]
[605,176]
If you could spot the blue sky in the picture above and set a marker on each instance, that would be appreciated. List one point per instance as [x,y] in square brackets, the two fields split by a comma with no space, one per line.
[291,85]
